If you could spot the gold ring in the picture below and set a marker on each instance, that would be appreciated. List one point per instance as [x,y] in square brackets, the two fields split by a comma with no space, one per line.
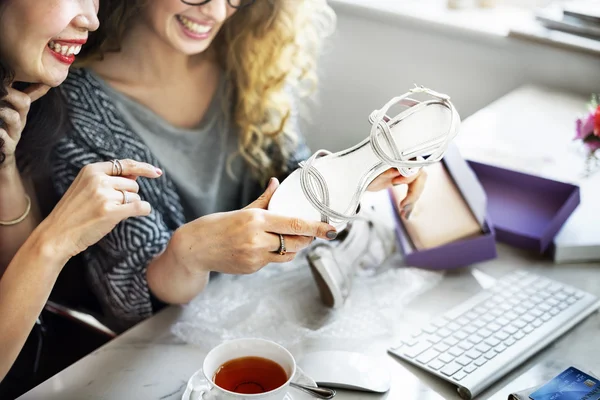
[125,196]
[282,249]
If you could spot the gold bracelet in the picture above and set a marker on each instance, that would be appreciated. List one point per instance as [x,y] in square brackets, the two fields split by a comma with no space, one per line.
[21,218]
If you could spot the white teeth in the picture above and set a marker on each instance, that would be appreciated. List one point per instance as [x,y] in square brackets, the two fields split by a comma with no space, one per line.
[192,26]
[65,50]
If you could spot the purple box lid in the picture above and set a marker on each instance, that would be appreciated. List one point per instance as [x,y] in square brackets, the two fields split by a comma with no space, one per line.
[527,211]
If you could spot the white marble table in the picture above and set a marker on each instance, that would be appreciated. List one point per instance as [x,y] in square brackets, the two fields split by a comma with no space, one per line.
[149,362]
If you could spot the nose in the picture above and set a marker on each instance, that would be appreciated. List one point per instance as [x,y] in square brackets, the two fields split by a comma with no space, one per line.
[216,10]
[87,19]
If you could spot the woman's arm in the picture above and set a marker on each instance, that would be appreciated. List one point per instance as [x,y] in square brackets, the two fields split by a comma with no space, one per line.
[14,204]
[24,289]
[14,201]
[90,208]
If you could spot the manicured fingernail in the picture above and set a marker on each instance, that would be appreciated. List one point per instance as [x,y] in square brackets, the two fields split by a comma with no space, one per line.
[159,171]
[331,235]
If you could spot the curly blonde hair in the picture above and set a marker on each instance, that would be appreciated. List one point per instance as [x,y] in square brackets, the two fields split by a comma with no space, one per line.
[268,52]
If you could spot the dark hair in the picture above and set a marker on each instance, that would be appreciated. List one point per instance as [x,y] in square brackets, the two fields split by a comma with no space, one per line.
[45,123]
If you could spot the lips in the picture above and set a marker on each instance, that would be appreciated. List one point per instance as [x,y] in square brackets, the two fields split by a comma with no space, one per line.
[65,50]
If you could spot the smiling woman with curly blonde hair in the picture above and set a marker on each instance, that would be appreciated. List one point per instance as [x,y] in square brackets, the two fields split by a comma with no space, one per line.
[208,91]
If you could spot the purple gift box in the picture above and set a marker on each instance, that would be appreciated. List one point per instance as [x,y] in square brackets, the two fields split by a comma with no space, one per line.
[522,210]
[463,252]
[527,210]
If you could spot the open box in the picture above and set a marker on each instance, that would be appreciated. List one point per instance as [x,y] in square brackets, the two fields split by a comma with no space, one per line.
[459,253]
[522,210]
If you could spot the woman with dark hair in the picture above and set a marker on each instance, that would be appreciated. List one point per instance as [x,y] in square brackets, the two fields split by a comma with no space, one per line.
[38,43]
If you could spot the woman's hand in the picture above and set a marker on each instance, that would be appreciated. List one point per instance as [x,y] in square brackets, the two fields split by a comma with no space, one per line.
[14,116]
[95,203]
[244,241]
[392,177]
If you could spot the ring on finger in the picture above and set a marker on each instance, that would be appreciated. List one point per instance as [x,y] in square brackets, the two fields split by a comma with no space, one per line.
[117,168]
[125,196]
[282,250]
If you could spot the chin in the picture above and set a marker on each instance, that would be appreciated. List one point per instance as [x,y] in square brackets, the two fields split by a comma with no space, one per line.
[55,78]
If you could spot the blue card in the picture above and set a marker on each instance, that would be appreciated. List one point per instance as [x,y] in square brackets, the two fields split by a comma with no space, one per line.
[571,384]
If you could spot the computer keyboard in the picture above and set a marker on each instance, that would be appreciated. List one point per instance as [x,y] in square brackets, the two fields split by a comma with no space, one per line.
[480,340]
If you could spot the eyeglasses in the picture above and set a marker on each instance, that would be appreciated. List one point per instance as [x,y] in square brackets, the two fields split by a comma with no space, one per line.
[233,3]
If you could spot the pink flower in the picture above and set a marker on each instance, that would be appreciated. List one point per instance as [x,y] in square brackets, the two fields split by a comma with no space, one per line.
[597,121]
[593,145]
[585,127]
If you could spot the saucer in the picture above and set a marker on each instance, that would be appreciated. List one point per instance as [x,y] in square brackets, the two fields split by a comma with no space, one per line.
[292,394]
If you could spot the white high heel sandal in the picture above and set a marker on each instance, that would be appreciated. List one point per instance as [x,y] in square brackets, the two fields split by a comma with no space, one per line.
[328,186]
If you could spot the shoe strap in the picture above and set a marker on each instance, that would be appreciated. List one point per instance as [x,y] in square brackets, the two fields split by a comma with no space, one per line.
[381,128]
[316,191]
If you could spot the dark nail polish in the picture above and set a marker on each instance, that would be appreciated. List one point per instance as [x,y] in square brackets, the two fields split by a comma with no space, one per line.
[407,215]
[331,235]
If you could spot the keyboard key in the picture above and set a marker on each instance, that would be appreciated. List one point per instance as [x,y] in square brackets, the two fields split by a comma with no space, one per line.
[490,354]
[528,318]
[528,329]
[511,329]
[480,362]
[474,354]
[482,347]
[536,312]
[528,304]
[505,307]
[488,318]
[459,375]
[451,369]
[464,360]
[545,307]
[497,312]
[579,295]
[492,341]
[553,302]
[544,294]
[561,296]
[555,287]
[436,364]
[546,317]
[446,358]
[470,368]
[466,345]
[410,341]
[530,291]
[522,296]
[441,347]
[444,332]
[514,301]
[511,315]
[554,311]
[462,321]
[541,284]
[453,326]
[536,299]
[510,341]
[485,333]
[434,339]
[502,321]
[428,356]
[470,329]
[502,335]
[520,310]
[475,339]
[479,323]
[456,351]
[414,351]
[569,290]
[537,323]
[562,306]
[480,310]
[571,300]
[494,327]
[450,341]
[520,323]
[500,348]
[519,335]
[461,335]
[471,315]
[417,333]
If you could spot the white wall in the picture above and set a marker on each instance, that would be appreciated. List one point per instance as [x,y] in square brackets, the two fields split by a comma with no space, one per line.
[371,59]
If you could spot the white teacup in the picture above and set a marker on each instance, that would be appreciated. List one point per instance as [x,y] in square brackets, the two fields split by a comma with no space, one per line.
[238,348]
